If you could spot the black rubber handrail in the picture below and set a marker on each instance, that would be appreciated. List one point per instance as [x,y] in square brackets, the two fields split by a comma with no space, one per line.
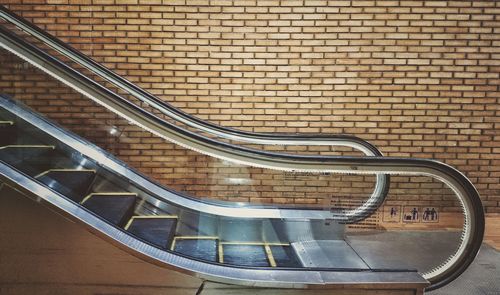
[382,181]
[453,177]
[120,82]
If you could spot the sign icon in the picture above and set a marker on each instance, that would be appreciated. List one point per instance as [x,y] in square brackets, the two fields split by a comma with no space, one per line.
[392,213]
[430,214]
[411,214]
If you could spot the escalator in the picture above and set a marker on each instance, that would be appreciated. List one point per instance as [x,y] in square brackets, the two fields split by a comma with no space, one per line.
[272,246]
[42,160]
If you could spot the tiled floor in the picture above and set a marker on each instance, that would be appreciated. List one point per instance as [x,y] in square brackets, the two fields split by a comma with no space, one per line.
[481,278]
[392,249]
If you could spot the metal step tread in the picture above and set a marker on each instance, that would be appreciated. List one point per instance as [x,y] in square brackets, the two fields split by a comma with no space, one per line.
[115,207]
[158,230]
[72,183]
[200,247]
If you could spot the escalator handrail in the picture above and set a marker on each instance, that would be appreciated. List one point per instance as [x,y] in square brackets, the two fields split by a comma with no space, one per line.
[468,195]
[176,113]
[216,272]
[382,181]
[186,138]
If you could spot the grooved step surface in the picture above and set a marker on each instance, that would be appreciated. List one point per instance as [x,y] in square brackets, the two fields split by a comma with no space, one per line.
[285,256]
[72,184]
[205,249]
[157,231]
[116,209]
[328,254]
[31,160]
[245,255]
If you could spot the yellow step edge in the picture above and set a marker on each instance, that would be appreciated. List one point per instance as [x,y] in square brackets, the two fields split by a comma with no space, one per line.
[221,253]
[129,223]
[65,170]
[255,244]
[196,237]
[7,122]
[28,146]
[270,256]
[172,247]
[107,194]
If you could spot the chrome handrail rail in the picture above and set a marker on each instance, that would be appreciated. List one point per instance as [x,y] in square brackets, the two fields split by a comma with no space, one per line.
[366,209]
[441,275]
[468,196]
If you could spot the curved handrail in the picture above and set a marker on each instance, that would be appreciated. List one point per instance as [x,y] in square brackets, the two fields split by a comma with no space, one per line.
[95,91]
[468,196]
[175,113]
[438,277]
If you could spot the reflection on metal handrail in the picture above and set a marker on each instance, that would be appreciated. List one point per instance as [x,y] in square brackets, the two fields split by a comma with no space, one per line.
[348,216]
[444,273]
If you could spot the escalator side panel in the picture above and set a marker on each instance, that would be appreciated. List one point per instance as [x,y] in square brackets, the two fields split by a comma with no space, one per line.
[7,132]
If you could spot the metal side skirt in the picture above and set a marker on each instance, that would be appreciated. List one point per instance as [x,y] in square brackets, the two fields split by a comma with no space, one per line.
[212,272]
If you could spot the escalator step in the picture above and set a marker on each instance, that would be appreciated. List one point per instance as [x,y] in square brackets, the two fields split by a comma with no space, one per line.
[245,255]
[114,207]
[72,183]
[8,132]
[157,230]
[30,159]
[285,256]
[198,247]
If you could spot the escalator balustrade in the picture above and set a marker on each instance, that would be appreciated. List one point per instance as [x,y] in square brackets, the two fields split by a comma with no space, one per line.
[257,245]
[50,166]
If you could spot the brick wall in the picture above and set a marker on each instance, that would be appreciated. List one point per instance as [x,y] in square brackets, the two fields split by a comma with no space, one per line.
[416,78]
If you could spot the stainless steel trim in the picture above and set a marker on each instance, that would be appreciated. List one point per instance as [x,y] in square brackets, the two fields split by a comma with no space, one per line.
[202,145]
[463,188]
[107,161]
[382,181]
[281,278]
[213,272]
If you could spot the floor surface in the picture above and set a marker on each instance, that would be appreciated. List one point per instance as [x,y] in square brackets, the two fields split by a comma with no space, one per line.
[70,260]
[481,278]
